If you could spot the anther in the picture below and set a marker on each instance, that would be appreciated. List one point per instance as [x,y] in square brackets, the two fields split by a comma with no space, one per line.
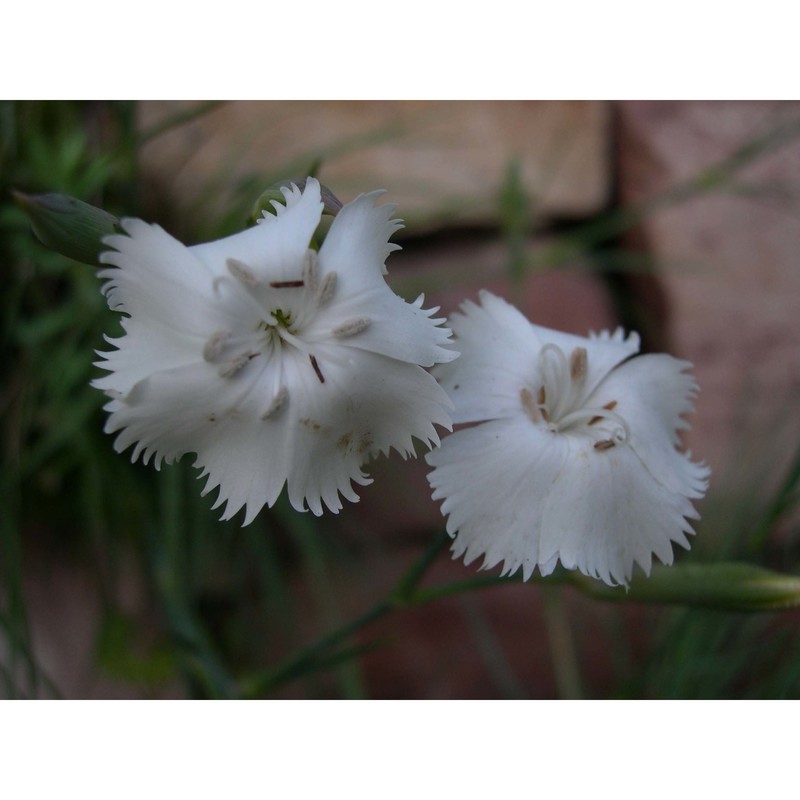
[213,347]
[311,269]
[230,368]
[578,364]
[351,327]
[542,398]
[316,368]
[278,402]
[286,284]
[241,272]
[608,406]
[529,404]
[604,444]
[326,289]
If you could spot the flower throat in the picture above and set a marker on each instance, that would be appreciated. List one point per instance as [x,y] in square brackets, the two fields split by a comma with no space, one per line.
[560,404]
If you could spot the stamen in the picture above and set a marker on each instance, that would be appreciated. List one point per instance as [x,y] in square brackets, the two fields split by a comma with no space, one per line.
[230,368]
[311,269]
[352,327]
[604,444]
[578,364]
[326,289]
[556,377]
[621,432]
[286,284]
[609,406]
[542,400]
[213,347]
[529,404]
[316,367]
[241,272]
[278,402]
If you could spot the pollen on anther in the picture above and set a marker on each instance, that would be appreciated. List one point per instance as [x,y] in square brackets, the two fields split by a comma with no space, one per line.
[608,406]
[311,269]
[542,399]
[230,368]
[578,364]
[241,272]
[213,347]
[326,289]
[604,444]
[351,327]
[529,404]
[278,402]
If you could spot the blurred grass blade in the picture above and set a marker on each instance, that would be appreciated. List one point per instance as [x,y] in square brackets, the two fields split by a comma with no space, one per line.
[67,225]
[727,586]
[180,118]
[782,502]
[515,211]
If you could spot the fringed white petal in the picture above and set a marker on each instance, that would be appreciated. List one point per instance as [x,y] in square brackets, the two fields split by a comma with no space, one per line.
[151,276]
[357,244]
[574,460]
[264,361]
[654,393]
[274,248]
[498,352]
[425,340]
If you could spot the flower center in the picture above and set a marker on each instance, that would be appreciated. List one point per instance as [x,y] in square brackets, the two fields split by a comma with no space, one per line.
[560,404]
[283,311]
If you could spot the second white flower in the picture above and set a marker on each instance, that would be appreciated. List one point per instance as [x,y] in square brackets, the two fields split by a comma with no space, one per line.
[575,458]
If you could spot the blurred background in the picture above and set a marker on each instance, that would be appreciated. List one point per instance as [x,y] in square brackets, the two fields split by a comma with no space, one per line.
[677,219]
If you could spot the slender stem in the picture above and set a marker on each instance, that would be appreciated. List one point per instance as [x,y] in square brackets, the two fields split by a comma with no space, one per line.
[562,646]
[300,662]
[423,596]
[404,589]
[401,596]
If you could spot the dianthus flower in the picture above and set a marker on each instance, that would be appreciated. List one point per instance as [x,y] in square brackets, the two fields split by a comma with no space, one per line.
[274,363]
[575,455]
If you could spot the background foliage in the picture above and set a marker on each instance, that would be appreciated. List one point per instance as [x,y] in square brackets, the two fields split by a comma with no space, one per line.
[170,602]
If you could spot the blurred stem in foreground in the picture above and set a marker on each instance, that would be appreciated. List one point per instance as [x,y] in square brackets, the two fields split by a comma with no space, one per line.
[723,587]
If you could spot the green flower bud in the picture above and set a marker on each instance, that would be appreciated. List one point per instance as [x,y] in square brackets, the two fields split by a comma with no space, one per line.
[332,204]
[726,586]
[68,225]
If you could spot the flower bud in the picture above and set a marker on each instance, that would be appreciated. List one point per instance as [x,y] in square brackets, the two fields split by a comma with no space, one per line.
[68,225]
[331,204]
[725,586]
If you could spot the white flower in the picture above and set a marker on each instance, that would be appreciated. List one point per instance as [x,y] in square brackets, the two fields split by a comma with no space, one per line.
[275,364]
[574,459]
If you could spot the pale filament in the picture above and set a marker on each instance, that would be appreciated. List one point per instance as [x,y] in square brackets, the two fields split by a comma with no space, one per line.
[558,403]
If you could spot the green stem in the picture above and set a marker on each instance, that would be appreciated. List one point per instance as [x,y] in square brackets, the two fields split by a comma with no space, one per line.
[309,657]
[562,645]
[300,663]
[196,649]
